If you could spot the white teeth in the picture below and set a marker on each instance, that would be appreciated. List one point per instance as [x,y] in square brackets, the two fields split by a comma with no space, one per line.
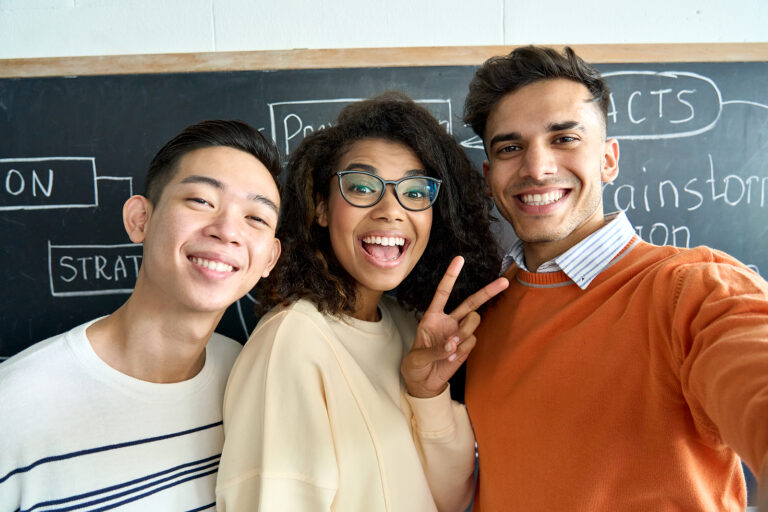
[542,199]
[218,266]
[384,240]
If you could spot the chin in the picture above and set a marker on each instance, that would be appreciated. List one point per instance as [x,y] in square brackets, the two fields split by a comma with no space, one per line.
[384,285]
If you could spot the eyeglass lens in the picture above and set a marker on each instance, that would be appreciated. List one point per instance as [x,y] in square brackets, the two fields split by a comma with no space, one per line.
[414,193]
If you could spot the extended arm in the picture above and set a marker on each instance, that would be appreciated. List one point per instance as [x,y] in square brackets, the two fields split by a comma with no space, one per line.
[721,324]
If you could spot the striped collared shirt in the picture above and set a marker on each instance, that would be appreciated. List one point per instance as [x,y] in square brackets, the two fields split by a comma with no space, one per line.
[585,260]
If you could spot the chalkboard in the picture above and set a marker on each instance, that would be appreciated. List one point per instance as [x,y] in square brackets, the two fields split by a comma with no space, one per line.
[693,166]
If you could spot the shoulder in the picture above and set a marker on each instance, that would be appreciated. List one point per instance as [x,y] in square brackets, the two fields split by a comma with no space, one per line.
[282,321]
[45,358]
[46,373]
[224,350]
[298,329]
[289,348]
[718,270]
[701,258]
[703,271]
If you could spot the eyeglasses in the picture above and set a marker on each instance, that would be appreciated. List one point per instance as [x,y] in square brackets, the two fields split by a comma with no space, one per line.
[364,189]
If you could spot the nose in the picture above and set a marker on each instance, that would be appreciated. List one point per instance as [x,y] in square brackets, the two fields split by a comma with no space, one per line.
[225,226]
[388,208]
[539,161]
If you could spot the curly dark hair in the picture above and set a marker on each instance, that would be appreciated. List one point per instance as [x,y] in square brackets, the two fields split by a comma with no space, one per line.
[461,221]
[501,75]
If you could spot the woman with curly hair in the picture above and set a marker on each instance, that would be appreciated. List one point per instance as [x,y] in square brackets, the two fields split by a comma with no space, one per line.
[340,401]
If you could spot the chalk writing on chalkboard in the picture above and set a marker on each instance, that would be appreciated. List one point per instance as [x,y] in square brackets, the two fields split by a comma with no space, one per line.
[46,183]
[692,167]
[81,270]
[291,121]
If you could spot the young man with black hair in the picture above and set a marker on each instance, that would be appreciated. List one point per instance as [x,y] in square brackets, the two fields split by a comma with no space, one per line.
[612,374]
[124,412]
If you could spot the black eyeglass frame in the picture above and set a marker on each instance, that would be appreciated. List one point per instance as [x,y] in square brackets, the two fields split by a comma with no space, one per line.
[394,183]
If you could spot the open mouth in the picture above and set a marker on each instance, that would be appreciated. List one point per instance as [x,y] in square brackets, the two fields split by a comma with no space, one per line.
[542,199]
[218,266]
[384,248]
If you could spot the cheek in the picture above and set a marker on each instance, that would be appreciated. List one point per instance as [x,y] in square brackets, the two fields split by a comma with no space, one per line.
[423,224]
[342,219]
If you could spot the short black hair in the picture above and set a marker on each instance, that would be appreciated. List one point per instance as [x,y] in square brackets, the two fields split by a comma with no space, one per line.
[212,133]
[501,75]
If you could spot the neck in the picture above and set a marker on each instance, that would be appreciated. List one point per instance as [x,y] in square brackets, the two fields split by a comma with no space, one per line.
[153,343]
[367,305]
[538,253]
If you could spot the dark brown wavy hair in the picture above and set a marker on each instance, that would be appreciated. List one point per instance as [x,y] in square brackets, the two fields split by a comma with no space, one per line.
[501,75]
[461,218]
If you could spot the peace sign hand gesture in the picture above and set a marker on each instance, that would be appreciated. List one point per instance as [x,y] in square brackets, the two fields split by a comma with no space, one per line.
[444,341]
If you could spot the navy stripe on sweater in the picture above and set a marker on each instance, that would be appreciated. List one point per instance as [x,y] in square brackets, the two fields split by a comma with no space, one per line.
[132,486]
[98,449]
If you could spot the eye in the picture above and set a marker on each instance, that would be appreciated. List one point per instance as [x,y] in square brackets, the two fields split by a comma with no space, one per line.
[509,148]
[257,220]
[359,184]
[414,194]
[565,139]
[359,188]
[199,200]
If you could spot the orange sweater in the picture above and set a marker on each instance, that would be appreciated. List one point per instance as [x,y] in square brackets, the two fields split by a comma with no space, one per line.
[631,395]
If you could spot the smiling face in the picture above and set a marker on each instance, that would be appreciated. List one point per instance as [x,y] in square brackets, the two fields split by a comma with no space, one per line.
[547,158]
[211,235]
[377,246]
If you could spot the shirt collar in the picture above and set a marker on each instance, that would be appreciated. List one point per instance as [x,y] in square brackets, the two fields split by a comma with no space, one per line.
[585,260]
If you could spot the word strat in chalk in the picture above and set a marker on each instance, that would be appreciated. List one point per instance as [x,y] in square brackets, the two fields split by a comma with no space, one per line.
[45,183]
[76,270]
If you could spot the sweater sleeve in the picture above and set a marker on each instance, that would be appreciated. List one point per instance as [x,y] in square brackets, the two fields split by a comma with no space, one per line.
[720,325]
[446,444]
[278,450]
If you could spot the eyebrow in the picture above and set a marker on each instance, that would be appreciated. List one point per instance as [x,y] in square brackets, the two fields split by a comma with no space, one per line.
[369,168]
[566,125]
[552,127]
[213,182]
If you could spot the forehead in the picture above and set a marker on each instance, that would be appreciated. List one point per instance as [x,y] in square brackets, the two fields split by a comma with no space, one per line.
[239,172]
[385,155]
[536,106]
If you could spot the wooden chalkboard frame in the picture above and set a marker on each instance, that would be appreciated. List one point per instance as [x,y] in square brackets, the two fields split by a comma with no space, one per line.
[364,57]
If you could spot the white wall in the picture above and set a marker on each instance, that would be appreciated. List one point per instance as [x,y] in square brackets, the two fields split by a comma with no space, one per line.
[54,28]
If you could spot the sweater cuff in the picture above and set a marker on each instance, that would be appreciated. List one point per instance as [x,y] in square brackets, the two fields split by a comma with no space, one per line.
[434,416]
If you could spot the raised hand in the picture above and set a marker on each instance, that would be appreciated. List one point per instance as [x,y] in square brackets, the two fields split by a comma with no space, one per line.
[444,341]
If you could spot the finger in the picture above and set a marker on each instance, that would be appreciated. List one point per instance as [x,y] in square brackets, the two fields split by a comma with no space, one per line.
[480,297]
[445,285]
[423,357]
[467,326]
[463,351]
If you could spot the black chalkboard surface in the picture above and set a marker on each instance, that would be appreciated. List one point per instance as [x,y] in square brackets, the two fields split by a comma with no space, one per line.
[693,140]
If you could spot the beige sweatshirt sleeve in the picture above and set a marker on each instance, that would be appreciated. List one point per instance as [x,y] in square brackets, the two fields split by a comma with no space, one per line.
[446,443]
[278,450]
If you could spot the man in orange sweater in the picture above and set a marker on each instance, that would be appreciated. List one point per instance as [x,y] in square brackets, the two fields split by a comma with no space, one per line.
[612,374]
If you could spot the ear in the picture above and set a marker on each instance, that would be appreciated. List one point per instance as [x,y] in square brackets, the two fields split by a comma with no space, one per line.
[136,213]
[276,250]
[610,168]
[486,171]
[321,212]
